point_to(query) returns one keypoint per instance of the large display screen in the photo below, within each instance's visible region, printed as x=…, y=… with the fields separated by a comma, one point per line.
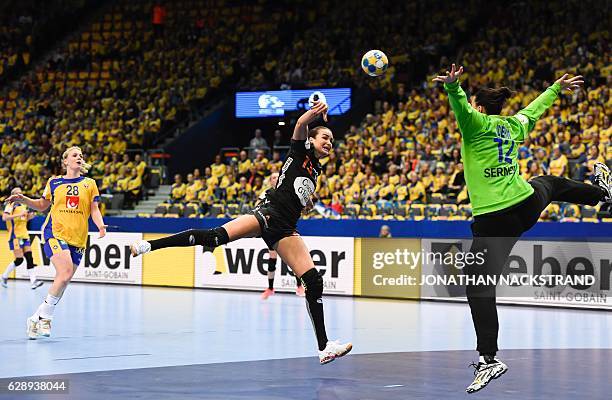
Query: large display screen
x=276, y=102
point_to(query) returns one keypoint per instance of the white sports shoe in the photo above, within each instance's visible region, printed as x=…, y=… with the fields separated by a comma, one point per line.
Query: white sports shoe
x=44, y=327
x=140, y=247
x=32, y=328
x=333, y=350
x=37, y=283
x=603, y=178
x=4, y=281
x=485, y=372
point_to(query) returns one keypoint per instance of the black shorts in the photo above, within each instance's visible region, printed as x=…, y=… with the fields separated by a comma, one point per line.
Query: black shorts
x=274, y=226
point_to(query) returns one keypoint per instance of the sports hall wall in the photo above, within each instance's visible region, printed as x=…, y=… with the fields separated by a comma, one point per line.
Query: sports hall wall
x=353, y=261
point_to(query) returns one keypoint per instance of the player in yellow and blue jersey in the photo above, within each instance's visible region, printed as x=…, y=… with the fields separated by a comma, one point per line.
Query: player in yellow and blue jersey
x=72, y=198
x=16, y=216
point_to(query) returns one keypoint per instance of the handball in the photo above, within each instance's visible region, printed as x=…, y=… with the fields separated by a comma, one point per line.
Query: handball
x=374, y=62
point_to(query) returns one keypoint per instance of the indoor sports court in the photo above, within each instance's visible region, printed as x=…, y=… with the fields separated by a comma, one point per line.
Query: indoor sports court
x=132, y=342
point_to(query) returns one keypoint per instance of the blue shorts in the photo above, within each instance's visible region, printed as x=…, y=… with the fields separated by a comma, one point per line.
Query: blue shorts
x=16, y=243
x=53, y=246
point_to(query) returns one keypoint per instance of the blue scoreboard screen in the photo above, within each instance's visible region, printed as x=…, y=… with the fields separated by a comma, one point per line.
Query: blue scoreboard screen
x=276, y=102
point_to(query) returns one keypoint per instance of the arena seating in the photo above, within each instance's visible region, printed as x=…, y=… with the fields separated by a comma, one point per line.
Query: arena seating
x=412, y=129
x=121, y=81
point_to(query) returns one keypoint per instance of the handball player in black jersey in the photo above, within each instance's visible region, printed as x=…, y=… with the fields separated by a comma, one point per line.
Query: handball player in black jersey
x=275, y=220
x=273, y=257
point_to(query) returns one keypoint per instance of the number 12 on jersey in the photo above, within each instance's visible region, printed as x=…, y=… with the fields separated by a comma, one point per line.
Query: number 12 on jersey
x=504, y=157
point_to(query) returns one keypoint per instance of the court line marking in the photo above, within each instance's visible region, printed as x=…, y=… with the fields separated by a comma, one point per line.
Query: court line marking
x=109, y=356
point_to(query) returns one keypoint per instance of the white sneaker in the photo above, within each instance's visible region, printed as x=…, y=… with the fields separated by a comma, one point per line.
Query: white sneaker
x=32, y=328
x=4, y=281
x=140, y=247
x=44, y=327
x=485, y=372
x=334, y=350
x=603, y=178
x=36, y=284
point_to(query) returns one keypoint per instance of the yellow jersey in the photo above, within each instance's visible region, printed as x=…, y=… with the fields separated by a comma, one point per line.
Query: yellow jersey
x=71, y=201
x=416, y=191
x=557, y=166
x=402, y=193
x=218, y=170
x=178, y=191
x=18, y=227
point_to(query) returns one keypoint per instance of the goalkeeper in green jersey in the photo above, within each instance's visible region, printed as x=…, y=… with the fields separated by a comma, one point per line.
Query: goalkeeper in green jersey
x=504, y=204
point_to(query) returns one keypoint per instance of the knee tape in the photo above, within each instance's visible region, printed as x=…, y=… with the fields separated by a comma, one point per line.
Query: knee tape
x=271, y=264
x=29, y=259
x=313, y=284
x=208, y=237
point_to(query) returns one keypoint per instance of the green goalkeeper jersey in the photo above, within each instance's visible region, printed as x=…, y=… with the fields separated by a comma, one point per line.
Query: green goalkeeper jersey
x=490, y=148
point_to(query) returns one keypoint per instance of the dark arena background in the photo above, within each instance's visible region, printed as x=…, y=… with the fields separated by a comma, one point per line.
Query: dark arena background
x=184, y=111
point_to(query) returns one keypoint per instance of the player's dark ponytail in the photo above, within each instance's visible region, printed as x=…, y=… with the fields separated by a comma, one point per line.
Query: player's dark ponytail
x=493, y=99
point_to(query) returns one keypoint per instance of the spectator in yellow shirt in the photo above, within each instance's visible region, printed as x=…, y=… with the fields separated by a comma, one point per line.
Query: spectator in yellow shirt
x=586, y=169
x=276, y=163
x=440, y=180
x=260, y=161
x=577, y=149
x=134, y=185
x=426, y=176
x=192, y=189
x=589, y=130
x=394, y=177
x=218, y=169
x=559, y=166
x=351, y=187
x=387, y=189
x=244, y=164
x=401, y=194
x=126, y=162
x=139, y=164
x=210, y=180
x=231, y=191
x=178, y=189
x=532, y=171
x=371, y=189
x=108, y=180
x=122, y=181
x=416, y=190
x=244, y=192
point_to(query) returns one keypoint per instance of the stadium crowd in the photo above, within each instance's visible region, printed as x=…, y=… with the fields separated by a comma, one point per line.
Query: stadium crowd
x=28, y=27
x=139, y=67
x=407, y=152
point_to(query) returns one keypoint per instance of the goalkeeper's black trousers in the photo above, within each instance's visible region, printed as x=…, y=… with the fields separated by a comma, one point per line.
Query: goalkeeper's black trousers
x=499, y=231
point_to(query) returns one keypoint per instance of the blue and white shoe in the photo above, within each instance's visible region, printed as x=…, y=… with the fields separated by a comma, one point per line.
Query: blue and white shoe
x=603, y=178
x=32, y=329
x=485, y=371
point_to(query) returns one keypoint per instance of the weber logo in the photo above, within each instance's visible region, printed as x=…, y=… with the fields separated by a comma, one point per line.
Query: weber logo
x=243, y=264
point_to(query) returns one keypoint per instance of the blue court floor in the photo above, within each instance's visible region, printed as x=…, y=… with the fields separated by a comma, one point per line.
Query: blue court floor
x=114, y=341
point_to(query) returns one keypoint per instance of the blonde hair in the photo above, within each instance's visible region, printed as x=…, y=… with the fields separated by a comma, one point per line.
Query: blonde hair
x=84, y=167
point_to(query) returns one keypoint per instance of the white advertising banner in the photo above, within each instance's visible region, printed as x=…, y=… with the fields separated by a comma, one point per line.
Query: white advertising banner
x=106, y=260
x=243, y=264
x=576, y=274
